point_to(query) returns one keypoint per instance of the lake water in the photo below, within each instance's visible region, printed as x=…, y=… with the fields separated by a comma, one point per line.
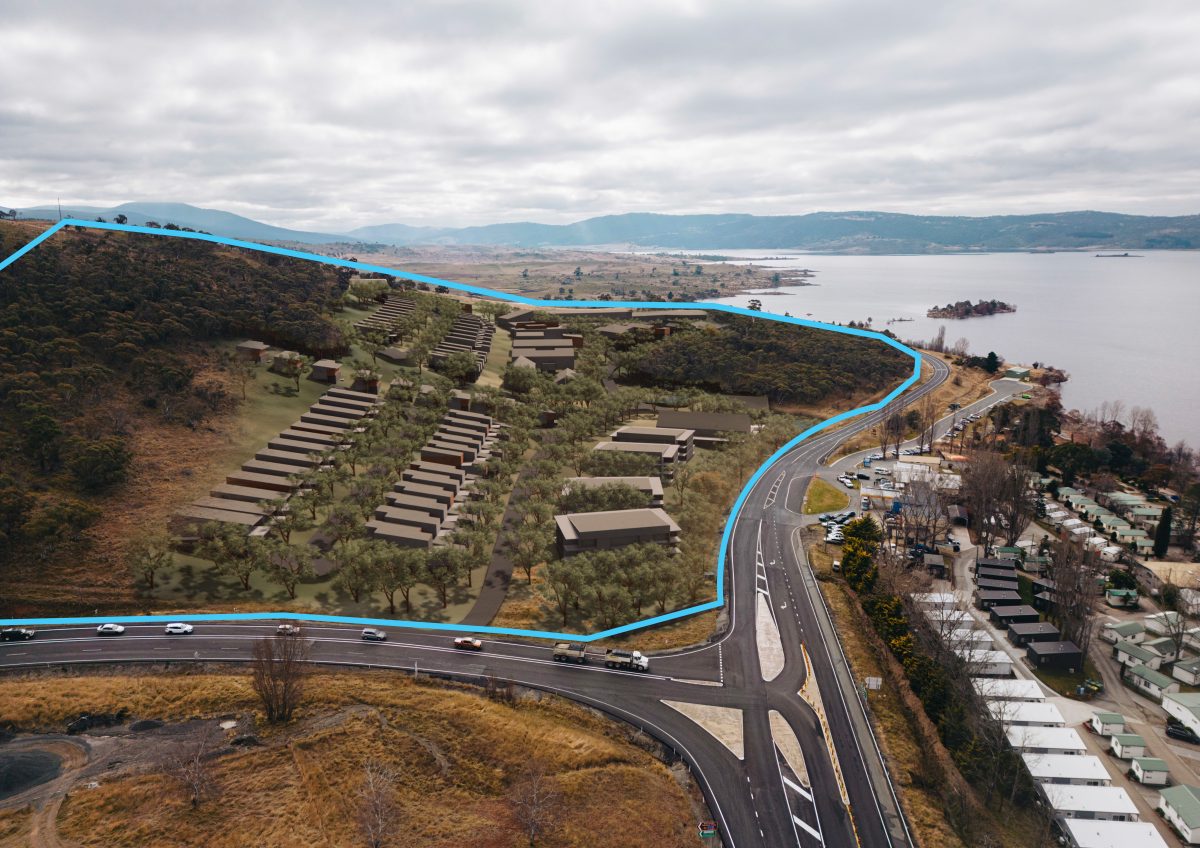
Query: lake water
x=1123, y=329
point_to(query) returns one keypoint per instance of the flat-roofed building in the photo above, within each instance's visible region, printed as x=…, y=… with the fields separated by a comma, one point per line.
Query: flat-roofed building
x=997, y=575
x=1084, y=833
x=399, y=534
x=330, y=411
x=211, y=502
x=985, y=599
x=659, y=435
x=665, y=455
x=1097, y=803
x=337, y=430
x=435, y=493
x=249, y=494
x=226, y=516
x=410, y=475
x=1008, y=690
x=1026, y=713
x=410, y=517
x=314, y=441
x=351, y=394
x=253, y=480
x=1004, y=616
x=336, y=422
x=711, y=428
x=442, y=456
x=935, y=600
x=986, y=663
x=1021, y=634
x=405, y=500
x=1056, y=656
x=472, y=437
x=271, y=469
x=651, y=487
x=325, y=371
x=1086, y=770
x=302, y=461
x=456, y=474
x=468, y=451
x=589, y=531
x=252, y=351
x=1046, y=740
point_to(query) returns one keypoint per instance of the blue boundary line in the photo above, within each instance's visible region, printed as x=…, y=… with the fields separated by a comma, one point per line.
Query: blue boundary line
x=512, y=298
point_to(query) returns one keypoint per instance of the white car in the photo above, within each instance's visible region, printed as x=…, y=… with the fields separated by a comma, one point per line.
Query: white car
x=178, y=628
x=847, y=482
x=110, y=630
x=288, y=630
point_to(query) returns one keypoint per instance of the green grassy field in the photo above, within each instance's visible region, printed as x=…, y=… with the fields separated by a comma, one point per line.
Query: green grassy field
x=823, y=497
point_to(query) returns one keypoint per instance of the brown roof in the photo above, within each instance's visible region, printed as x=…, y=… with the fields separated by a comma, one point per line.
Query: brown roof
x=732, y=422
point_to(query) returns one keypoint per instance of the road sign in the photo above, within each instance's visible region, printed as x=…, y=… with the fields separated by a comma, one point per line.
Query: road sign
x=874, y=683
x=707, y=829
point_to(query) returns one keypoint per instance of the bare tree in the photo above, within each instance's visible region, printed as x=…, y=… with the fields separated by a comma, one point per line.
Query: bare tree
x=190, y=770
x=929, y=418
x=1074, y=594
x=278, y=671
x=983, y=480
x=924, y=519
x=1016, y=502
x=1175, y=626
x=378, y=816
x=536, y=801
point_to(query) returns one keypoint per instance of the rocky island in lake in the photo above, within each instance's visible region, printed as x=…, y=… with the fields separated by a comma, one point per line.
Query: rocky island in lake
x=966, y=309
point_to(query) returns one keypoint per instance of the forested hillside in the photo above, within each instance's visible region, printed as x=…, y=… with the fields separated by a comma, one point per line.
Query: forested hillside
x=790, y=364
x=104, y=334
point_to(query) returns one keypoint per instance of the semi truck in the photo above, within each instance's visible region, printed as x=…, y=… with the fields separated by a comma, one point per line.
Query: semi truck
x=576, y=652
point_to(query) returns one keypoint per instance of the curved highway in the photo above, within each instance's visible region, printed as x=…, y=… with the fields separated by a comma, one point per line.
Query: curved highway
x=843, y=799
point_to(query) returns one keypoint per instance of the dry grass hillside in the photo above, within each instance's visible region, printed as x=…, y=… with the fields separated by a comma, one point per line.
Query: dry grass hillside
x=456, y=754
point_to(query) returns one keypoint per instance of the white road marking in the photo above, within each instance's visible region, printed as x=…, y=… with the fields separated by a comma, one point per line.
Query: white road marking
x=808, y=828
x=798, y=788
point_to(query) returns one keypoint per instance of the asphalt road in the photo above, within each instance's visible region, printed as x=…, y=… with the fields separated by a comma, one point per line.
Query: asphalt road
x=757, y=801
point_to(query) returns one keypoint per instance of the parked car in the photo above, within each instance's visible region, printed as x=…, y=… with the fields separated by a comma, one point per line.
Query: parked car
x=847, y=482
x=178, y=628
x=866, y=504
x=288, y=630
x=862, y=476
x=110, y=630
x=837, y=565
x=875, y=456
x=468, y=643
x=1178, y=731
x=16, y=634
x=372, y=634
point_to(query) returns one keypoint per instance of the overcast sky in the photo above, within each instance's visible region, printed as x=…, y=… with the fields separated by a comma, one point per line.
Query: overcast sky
x=331, y=116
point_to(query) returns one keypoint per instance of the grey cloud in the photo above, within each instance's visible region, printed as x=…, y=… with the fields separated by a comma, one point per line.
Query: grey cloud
x=313, y=116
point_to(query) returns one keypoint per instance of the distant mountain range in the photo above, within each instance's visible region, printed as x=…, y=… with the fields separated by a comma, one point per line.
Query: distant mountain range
x=847, y=232
x=212, y=221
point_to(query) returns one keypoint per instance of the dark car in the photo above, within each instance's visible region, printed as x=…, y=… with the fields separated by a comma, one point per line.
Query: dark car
x=16, y=634
x=1179, y=731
